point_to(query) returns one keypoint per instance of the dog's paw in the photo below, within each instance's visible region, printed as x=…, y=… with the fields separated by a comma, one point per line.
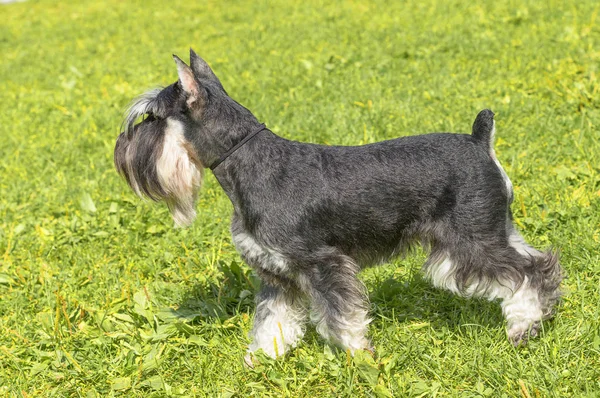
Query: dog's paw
x=534, y=329
x=519, y=333
x=249, y=360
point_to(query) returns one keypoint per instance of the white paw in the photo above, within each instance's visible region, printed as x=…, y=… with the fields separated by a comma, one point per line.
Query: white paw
x=519, y=332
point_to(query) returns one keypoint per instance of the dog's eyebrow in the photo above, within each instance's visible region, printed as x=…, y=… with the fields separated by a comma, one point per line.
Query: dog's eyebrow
x=145, y=103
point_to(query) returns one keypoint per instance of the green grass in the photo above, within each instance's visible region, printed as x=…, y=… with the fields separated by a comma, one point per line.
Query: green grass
x=100, y=296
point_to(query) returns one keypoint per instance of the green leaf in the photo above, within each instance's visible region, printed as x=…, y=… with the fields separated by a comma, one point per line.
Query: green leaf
x=329, y=355
x=114, y=207
x=596, y=342
x=121, y=383
x=198, y=340
x=141, y=299
x=37, y=368
x=564, y=173
x=163, y=332
x=86, y=203
x=389, y=363
x=18, y=229
x=183, y=328
x=157, y=383
x=123, y=317
x=151, y=360
x=155, y=229
x=276, y=378
x=6, y=280
x=367, y=369
x=382, y=391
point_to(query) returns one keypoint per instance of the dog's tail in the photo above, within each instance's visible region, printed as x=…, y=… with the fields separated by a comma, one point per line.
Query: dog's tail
x=484, y=128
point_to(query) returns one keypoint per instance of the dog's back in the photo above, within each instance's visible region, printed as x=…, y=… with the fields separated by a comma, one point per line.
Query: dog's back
x=368, y=201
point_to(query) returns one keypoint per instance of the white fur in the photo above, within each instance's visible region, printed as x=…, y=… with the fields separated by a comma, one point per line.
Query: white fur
x=178, y=174
x=507, y=182
x=442, y=276
x=354, y=328
x=139, y=107
x=522, y=310
x=521, y=307
x=258, y=255
x=354, y=325
x=518, y=243
x=281, y=328
x=284, y=324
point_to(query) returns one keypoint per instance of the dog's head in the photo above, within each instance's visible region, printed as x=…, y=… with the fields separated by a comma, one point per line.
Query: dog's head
x=184, y=128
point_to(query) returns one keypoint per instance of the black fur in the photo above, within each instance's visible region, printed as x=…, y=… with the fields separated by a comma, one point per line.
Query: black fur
x=144, y=148
x=483, y=127
x=309, y=217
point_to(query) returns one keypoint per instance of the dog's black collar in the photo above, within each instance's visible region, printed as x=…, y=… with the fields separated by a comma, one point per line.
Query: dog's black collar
x=237, y=146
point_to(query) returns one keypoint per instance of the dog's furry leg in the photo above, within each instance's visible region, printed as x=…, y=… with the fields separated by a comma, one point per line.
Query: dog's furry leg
x=339, y=303
x=279, y=321
x=540, y=291
x=525, y=279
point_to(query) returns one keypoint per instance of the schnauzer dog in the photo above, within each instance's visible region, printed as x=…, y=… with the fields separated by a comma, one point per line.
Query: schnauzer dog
x=307, y=218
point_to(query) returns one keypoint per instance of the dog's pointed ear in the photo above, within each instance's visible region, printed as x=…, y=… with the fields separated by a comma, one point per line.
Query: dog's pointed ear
x=187, y=79
x=201, y=68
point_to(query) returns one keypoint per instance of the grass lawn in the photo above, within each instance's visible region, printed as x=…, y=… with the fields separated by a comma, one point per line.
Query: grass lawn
x=101, y=296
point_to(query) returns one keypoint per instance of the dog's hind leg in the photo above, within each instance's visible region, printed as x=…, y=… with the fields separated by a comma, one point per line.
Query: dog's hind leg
x=279, y=322
x=543, y=275
x=524, y=279
x=339, y=302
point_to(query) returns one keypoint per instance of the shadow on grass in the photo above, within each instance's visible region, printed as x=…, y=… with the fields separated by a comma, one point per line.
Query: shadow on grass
x=398, y=300
x=232, y=295
x=417, y=300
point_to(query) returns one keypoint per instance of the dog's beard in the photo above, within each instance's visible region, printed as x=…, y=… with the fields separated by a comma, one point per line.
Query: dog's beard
x=162, y=165
x=180, y=174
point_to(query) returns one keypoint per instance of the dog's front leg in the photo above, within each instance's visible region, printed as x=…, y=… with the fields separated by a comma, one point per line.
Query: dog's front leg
x=279, y=321
x=339, y=303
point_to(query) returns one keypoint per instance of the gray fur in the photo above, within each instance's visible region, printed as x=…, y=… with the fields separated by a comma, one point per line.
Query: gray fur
x=307, y=218
x=142, y=105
